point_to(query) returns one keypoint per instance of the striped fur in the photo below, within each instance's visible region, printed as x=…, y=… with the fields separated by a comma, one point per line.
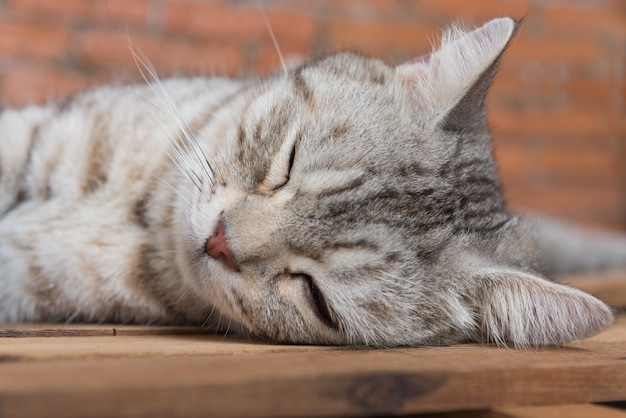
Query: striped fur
x=360, y=205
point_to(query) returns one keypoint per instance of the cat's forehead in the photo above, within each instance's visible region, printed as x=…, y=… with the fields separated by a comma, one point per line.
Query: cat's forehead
x=343, y=81
x=345, y=102
x=345, y=66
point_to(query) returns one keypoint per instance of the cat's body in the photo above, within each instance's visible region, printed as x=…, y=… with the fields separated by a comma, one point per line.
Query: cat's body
x=87, y=231
x=344, y=202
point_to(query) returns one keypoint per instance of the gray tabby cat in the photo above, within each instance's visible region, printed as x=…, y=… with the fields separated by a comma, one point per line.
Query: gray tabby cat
x=344, y=202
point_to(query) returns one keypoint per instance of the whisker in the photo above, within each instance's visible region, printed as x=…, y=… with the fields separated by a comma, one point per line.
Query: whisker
x=271, y=32
x=208, y=318
x=144, y=66
x=175, y=151
x=230, y=322
x=195, y=180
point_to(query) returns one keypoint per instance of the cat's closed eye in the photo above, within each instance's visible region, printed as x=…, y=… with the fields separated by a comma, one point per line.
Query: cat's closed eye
x=317, y=301
x=292, y=156
x=280, y=170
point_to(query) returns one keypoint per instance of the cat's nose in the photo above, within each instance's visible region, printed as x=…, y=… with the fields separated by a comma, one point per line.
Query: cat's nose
x=217, y=247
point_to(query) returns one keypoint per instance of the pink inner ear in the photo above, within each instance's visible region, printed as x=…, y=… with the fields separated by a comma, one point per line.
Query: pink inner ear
x=415, y=70
x=422, y=59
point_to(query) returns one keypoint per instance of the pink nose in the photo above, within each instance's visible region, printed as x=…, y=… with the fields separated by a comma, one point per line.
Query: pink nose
x=217, y=247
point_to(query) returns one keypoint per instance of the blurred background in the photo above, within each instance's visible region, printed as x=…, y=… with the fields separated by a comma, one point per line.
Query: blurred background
x=556, y=109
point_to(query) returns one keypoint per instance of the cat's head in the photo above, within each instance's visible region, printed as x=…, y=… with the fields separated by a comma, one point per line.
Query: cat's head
x=356, y=203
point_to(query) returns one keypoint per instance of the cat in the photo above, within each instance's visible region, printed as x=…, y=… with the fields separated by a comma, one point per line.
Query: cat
x=342, y=202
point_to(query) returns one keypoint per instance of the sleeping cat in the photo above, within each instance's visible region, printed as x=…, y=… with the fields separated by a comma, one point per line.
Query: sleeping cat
x=343, y=202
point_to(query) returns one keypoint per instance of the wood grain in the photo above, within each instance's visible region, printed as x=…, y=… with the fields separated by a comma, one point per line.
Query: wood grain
x=90, y=330
x=551, y=411
x=199, y=375
x=57, y=370
x=559, y=411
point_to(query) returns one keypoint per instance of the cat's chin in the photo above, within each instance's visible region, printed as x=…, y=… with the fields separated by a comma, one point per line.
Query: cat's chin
x=214, y=283
x=223, y=324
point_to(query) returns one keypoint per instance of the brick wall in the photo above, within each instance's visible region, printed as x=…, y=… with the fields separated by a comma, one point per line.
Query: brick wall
x=557, y=107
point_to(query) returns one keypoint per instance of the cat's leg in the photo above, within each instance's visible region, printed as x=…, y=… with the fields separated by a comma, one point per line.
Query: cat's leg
x=63, y=263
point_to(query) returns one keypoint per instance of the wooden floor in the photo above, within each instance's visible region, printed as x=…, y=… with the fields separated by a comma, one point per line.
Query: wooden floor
x=125, y=371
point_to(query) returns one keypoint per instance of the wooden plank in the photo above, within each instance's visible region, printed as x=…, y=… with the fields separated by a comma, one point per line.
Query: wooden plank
x=138, y=346
x=183, y=375
x=559, y=411
x=11, y=330
x=551, y=411
x=609, y=286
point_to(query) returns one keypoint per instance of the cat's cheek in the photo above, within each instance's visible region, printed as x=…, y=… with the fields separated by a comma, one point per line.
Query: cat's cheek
x=292, y=292
x=296, y=304
x=220, y=289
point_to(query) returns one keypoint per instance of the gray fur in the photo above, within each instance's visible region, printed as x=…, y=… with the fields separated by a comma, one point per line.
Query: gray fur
x=391, y=206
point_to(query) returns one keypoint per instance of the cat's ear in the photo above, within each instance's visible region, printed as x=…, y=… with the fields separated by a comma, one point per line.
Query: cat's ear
x=527, y=310
x=459, y=72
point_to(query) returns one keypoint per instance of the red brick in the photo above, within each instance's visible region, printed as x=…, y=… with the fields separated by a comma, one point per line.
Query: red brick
x=573, y=203
x=210, y=19
x=267, y=61
x=380, y=38
x=101, y=49
x=102, y=10
x=563, y=198
x=372, y=10
x=476, y=11
x=214, y=20
x=573, y=93
x=565, y=161
x=33, y=41
x=586, y=21
x=65, y=8
x=542, y=141
x=580, y=166
x=535, y=122
x=24, y=86
x=531, y=70
x=124, y=11
x=513, y=160
x=555, y=50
